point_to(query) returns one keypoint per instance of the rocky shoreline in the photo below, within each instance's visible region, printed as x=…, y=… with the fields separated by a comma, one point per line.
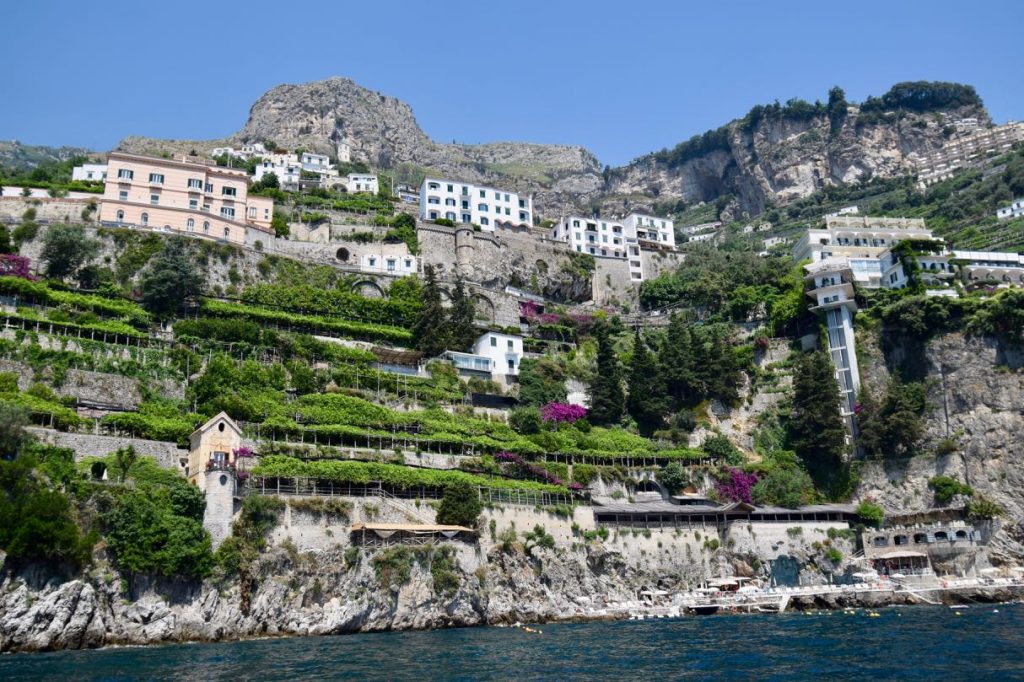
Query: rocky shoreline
x=42, y=612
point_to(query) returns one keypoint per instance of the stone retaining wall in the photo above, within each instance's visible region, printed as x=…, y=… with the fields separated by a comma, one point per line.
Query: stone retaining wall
x=167, y=455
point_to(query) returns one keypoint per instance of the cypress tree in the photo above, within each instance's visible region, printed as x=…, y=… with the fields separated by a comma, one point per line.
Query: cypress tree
x=606, y=397
x=676, y=362
x=462, y=314
x=646, y=401
x=431, y=330
x=171, y=279
x=816, y=427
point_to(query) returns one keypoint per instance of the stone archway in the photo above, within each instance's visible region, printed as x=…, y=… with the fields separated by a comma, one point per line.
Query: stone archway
x=343, y=254
x=369, y=289
x=483, y=308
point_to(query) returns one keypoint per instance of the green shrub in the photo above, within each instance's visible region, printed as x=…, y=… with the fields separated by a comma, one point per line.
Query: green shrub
x=947, y=488
x=871, y=514
x=460, y=505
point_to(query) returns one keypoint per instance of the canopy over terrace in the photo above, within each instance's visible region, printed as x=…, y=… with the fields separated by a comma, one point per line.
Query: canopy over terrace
x=385, y=534
x=669, y=515
x=903, y=561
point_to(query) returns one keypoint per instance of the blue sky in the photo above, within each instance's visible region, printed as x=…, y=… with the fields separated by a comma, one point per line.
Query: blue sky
x=619, y=78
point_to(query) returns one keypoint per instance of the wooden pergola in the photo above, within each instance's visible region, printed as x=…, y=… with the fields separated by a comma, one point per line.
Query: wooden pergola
x=388, y=534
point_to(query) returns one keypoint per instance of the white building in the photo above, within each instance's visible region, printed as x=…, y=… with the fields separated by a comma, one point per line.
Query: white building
x=345, y=152
x=392, y=264
x=288, y=174
x=461, y=202
x=505, y=351
x=657, y=231
x=90, y=172
x=316, y=163
x=362, y=182
x=1000, y=268
x=1014, y=210
x=602, y=239
x=707, y=227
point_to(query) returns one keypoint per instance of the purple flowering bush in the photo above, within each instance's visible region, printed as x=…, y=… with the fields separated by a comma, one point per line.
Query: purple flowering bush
x=563, y=413
x=736, y=485
x=515, y=466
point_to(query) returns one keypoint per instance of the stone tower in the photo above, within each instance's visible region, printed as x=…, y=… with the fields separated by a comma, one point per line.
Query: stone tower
x=221, y=485
x=464, y=248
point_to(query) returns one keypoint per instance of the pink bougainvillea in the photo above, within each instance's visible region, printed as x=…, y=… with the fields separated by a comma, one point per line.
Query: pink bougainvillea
x=244, y=452
x=16, y=266
x=563, y=412
x=529, y=309
x=736, y=485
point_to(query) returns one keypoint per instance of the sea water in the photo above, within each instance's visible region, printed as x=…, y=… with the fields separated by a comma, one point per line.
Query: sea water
x=909, y=643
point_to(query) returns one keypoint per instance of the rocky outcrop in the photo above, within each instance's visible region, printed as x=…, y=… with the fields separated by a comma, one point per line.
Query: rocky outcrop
x=780, y=159
x=974, y=433
x=776, y=160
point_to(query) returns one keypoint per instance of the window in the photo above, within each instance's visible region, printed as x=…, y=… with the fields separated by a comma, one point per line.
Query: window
x=157, y=178
x=494, y=342
x=227, y=232
x=252, y=211
x=206, y=226
x=485, y=221
x=451, y=188
x=604, y=238
x=483, y=194
x=433, y=215
x=508, y=211
x=465, y=205
x=120, y=216
x=433, y=185
x=391, y=264
x=450, y=216
x=229, y=191
x=449, y=202
x=512, y=364
x=193, y=203
x=195, y=183
x=524, y=216
x=144, y=219
x=190, y=224
x=209, y=187
x=522, y=203
x=125, y=174
x=507, y=198
x=510, y=344
x=373, y=262
x=154, y=199
x=481, y=207
x=433, y=200
x=206, y=208
x=227, y=212
x=408, y=263
x=575, y=223
x=123, y=195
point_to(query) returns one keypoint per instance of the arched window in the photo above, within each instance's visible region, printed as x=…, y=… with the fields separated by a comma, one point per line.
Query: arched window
x=120, y=216
x=206, y=226
x=227, y=232
x=190, y=224
x=144, y=219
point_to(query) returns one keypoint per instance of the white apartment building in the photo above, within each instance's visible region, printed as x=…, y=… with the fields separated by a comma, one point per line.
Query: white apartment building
x=602, y=239
x=647, y=228
x=1014, y=210
x=316, y=163
x=288, y=174
x=90, y=172
x=462, y=202
x=860, y=241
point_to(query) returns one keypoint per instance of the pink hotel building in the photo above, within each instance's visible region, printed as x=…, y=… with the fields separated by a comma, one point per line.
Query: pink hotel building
x=184, y=194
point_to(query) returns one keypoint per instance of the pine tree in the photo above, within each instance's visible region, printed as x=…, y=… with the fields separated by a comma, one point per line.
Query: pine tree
x=606, y=397
x=431, y=328
x=646, y=402
x=171, y=279
x=816, y=427
x=461, y=318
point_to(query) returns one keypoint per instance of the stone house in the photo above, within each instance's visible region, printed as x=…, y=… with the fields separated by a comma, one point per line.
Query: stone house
x=212, y=447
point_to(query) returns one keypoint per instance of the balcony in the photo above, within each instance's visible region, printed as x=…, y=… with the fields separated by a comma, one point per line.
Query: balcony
x=467, y=362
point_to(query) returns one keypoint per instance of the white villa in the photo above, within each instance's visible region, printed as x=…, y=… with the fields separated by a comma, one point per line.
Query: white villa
x=93, y=172
x=660, y=232
x=461, y=202
x=362, y=182
x=603, y=238
x=288, y=174
x=495, y=356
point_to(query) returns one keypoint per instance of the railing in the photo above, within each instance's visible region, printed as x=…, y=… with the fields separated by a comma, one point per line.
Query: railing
x=312, y=487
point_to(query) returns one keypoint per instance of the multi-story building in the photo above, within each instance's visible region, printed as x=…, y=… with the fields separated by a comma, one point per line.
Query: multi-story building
x=316, y=163
x=288, y=174
x=388, y=263
x=495, y=356
x=185, y=194
x=594, y=236
x=1014, y=210
x=964, y=151
x=657, y=232
x=1000, y=268
x=90, y=172
x=462, y=202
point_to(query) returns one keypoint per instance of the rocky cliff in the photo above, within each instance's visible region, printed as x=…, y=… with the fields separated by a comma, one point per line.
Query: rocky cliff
x=975, y=388
x=779, y=155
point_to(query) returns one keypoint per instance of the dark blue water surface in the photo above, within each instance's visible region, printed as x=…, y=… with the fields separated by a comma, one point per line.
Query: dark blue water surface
x=915, y=643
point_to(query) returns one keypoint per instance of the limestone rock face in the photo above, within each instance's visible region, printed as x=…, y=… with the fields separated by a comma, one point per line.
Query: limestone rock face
x=975, y=388
x=777, y=160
